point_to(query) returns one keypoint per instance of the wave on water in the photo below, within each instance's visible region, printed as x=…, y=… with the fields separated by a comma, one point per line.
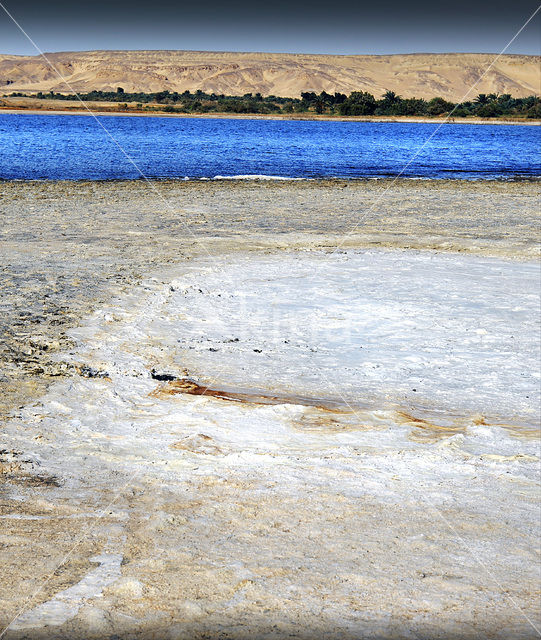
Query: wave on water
x=256, y=176
x=260, y=150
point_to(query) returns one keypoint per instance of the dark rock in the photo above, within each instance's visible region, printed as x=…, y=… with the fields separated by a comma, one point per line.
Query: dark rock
x=90, y=372
x=162, y=377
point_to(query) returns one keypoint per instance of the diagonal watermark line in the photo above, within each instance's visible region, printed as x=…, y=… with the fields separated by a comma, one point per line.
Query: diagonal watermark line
x=190, y=233
x=116, y=496
x=424, y=144
x=475, y=556
x=479, y=561
x=331, y=384
x=349, y=233
x=131, y=161
x=337, y=392
x=482, y=564
x=206, y=386
x=87, y=532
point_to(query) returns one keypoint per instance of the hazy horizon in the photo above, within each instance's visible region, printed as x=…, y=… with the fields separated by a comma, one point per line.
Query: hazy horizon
x=294, y=53
x=306, y=27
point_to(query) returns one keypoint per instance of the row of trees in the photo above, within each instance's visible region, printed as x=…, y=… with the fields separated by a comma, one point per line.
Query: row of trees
x=358, y=103
x=484, y=106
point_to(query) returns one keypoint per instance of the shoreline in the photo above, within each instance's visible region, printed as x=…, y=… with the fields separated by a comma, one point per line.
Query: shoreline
x=259, y=116
x=262, y=179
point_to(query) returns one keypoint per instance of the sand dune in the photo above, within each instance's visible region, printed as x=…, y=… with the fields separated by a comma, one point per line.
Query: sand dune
x=416, y=75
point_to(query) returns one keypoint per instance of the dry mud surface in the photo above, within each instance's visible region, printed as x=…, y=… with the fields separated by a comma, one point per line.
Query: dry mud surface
x=135, y=504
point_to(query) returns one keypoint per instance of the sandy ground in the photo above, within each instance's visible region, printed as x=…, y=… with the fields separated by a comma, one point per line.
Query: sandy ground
x=68, y=246
x=109, y=542
x=54, y=107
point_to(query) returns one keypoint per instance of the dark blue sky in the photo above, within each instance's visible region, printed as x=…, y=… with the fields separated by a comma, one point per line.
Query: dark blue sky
x=316, y=26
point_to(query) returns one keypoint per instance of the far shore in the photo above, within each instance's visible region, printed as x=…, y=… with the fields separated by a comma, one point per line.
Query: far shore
x=259, y=116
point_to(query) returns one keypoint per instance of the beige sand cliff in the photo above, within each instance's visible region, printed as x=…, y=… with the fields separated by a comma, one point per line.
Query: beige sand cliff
x=449, y=75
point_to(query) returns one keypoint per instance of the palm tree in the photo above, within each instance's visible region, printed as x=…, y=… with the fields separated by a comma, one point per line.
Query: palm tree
x=482, y=98
x=390, y=96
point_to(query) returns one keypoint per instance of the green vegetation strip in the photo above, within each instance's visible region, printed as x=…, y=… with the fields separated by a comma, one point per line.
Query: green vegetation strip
x=358, y=103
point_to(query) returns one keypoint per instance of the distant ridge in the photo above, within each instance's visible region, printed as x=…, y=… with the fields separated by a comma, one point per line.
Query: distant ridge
x=423, y=75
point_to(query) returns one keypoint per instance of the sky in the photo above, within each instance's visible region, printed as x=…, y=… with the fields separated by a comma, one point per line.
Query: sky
x=304, y=26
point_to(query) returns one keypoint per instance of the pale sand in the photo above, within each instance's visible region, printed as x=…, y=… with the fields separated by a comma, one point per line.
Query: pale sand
x=424, y=75
x=287, y=542
x=30, y=106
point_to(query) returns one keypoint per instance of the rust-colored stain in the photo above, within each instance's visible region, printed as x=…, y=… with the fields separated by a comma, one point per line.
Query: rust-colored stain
x=189, y=387
x=198, y=443
x=425, y=431
x=334, y=415
x=319, y=419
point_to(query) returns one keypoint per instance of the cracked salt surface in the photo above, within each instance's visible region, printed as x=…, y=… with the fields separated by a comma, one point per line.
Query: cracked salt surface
x=410, y=354
x=390, y=337
x=378, y=328
x=398, y=344
x=367, y=326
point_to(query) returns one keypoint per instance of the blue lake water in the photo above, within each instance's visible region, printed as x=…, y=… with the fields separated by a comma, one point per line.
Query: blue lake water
x=77, y=148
